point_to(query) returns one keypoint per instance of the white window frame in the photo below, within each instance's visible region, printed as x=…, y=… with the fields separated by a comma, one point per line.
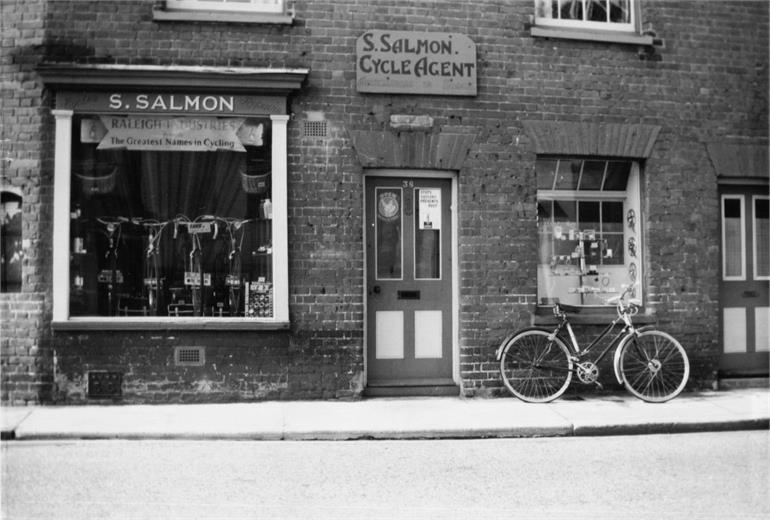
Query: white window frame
x=630, y=27
x=631, y=198
x=754, y=200
x=742, y=201
x=61, y=242
x=250, y=6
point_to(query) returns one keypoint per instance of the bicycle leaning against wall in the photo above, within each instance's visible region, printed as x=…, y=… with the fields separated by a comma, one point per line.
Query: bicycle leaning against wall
x=537, y=365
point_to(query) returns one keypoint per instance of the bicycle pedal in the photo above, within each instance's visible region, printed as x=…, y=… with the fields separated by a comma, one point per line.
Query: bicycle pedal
x=601, y=386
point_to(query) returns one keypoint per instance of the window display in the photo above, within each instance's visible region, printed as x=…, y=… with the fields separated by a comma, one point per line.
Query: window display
x=588, y=232
x=171, y=216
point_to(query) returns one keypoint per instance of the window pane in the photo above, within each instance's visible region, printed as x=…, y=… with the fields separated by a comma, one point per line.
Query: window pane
x=565, y=211
x=388, y=231
x=761, y=238
x=620, y=11
x=596, y=10
x=568, y=174
x=612, y=216
x=589, y=215
x=593, y=174
x=171, y=216
x=427, y=235
x=571, y=10
x=617, y=175
x=546, y=169
x=10, y=240
x=733, y=238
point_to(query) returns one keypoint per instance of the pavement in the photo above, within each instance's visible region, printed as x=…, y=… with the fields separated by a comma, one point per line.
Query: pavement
x=394, y=418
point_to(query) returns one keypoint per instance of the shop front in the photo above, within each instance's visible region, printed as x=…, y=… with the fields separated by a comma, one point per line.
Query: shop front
x=170, y=213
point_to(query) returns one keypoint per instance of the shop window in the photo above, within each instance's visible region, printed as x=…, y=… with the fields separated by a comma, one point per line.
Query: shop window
x=589, y=233
x=171, y=217
x=605, y=15
x=11, y=241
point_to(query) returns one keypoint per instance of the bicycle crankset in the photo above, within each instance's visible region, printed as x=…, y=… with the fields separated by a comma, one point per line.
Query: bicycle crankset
x=587, y=372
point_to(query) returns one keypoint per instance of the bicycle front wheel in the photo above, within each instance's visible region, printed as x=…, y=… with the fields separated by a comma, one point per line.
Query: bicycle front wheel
x=534, y=368
x=654, y=366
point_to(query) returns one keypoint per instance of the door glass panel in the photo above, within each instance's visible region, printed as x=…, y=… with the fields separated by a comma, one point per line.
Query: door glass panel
x=732, y=236
x=389, y=233
x=427, y=234
x=761, y=238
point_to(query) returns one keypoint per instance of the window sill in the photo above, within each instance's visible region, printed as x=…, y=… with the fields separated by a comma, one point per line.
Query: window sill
x=591, y=35
x=588, y=316
x=96, y=324
x=162, y=15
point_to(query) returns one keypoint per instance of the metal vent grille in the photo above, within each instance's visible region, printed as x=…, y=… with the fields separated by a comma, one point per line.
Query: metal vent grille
x=315, y=129
x=189, y=356
x=104, y=384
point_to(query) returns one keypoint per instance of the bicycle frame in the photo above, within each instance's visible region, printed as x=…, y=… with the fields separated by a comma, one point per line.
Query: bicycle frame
x=113, y=230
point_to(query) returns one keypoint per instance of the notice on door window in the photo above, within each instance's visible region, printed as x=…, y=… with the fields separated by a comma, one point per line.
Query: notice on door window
x=185, y=134
x=429, y=201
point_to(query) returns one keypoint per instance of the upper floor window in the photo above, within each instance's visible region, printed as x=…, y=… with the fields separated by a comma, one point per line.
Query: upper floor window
x=604, y=15
x=252, y=6
x=227, y=11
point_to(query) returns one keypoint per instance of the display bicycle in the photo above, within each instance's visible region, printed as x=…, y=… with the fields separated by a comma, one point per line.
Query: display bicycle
x=112, y=229
x=153, y=280
x=537, y=365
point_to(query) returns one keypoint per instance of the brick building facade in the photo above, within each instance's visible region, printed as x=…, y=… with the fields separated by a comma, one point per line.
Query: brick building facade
x=678, y=102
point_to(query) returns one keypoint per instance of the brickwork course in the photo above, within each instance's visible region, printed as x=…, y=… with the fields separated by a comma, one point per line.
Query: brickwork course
x=704, y=80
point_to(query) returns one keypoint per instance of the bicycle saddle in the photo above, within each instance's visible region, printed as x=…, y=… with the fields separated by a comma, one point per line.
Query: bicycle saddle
x=571, y=309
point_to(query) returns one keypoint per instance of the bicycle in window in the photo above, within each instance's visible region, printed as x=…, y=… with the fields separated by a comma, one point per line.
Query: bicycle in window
x=152, y=280
x=113, y=276
x=194, y=277
x=537, y=364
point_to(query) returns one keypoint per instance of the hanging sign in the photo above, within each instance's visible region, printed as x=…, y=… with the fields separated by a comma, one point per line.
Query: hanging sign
x=430, y=208
x=186, y=134
x=405, y=62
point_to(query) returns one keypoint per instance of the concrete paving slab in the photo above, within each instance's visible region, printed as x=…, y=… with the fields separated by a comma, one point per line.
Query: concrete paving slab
x=232, y=421
x=617, y=416
x=11, y=418
x=413, y=418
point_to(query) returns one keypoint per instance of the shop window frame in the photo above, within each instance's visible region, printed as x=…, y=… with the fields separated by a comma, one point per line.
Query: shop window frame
x=630, y=196
x=75, y=86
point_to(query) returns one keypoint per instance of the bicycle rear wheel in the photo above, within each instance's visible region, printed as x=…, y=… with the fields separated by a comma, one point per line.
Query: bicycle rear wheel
x=535, y=368
x=654, y=366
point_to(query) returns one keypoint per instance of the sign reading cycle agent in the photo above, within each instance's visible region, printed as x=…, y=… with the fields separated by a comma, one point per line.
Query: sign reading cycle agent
x=403, y=62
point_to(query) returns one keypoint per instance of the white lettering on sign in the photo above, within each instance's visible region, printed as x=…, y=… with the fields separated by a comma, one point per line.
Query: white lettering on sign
x=416, y=62
x=429, y=201
x=171, y=133
x=172, y=103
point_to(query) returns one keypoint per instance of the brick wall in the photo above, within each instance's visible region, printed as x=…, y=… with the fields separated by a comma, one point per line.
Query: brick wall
x=706, y=81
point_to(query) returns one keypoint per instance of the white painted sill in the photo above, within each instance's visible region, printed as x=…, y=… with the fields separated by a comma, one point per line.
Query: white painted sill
x=163, y=15
x=540, y=31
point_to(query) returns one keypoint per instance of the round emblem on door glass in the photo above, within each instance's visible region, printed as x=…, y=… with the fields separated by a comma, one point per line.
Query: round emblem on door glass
x=388, y=206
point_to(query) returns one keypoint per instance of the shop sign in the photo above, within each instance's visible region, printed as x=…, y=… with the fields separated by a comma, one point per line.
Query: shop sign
x=186, y=134
x=430, y=208
x=405, y=62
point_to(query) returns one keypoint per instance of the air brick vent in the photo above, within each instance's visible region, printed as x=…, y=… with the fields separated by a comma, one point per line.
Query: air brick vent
x=104, y=384
x=189, y=356
x=315, y=129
